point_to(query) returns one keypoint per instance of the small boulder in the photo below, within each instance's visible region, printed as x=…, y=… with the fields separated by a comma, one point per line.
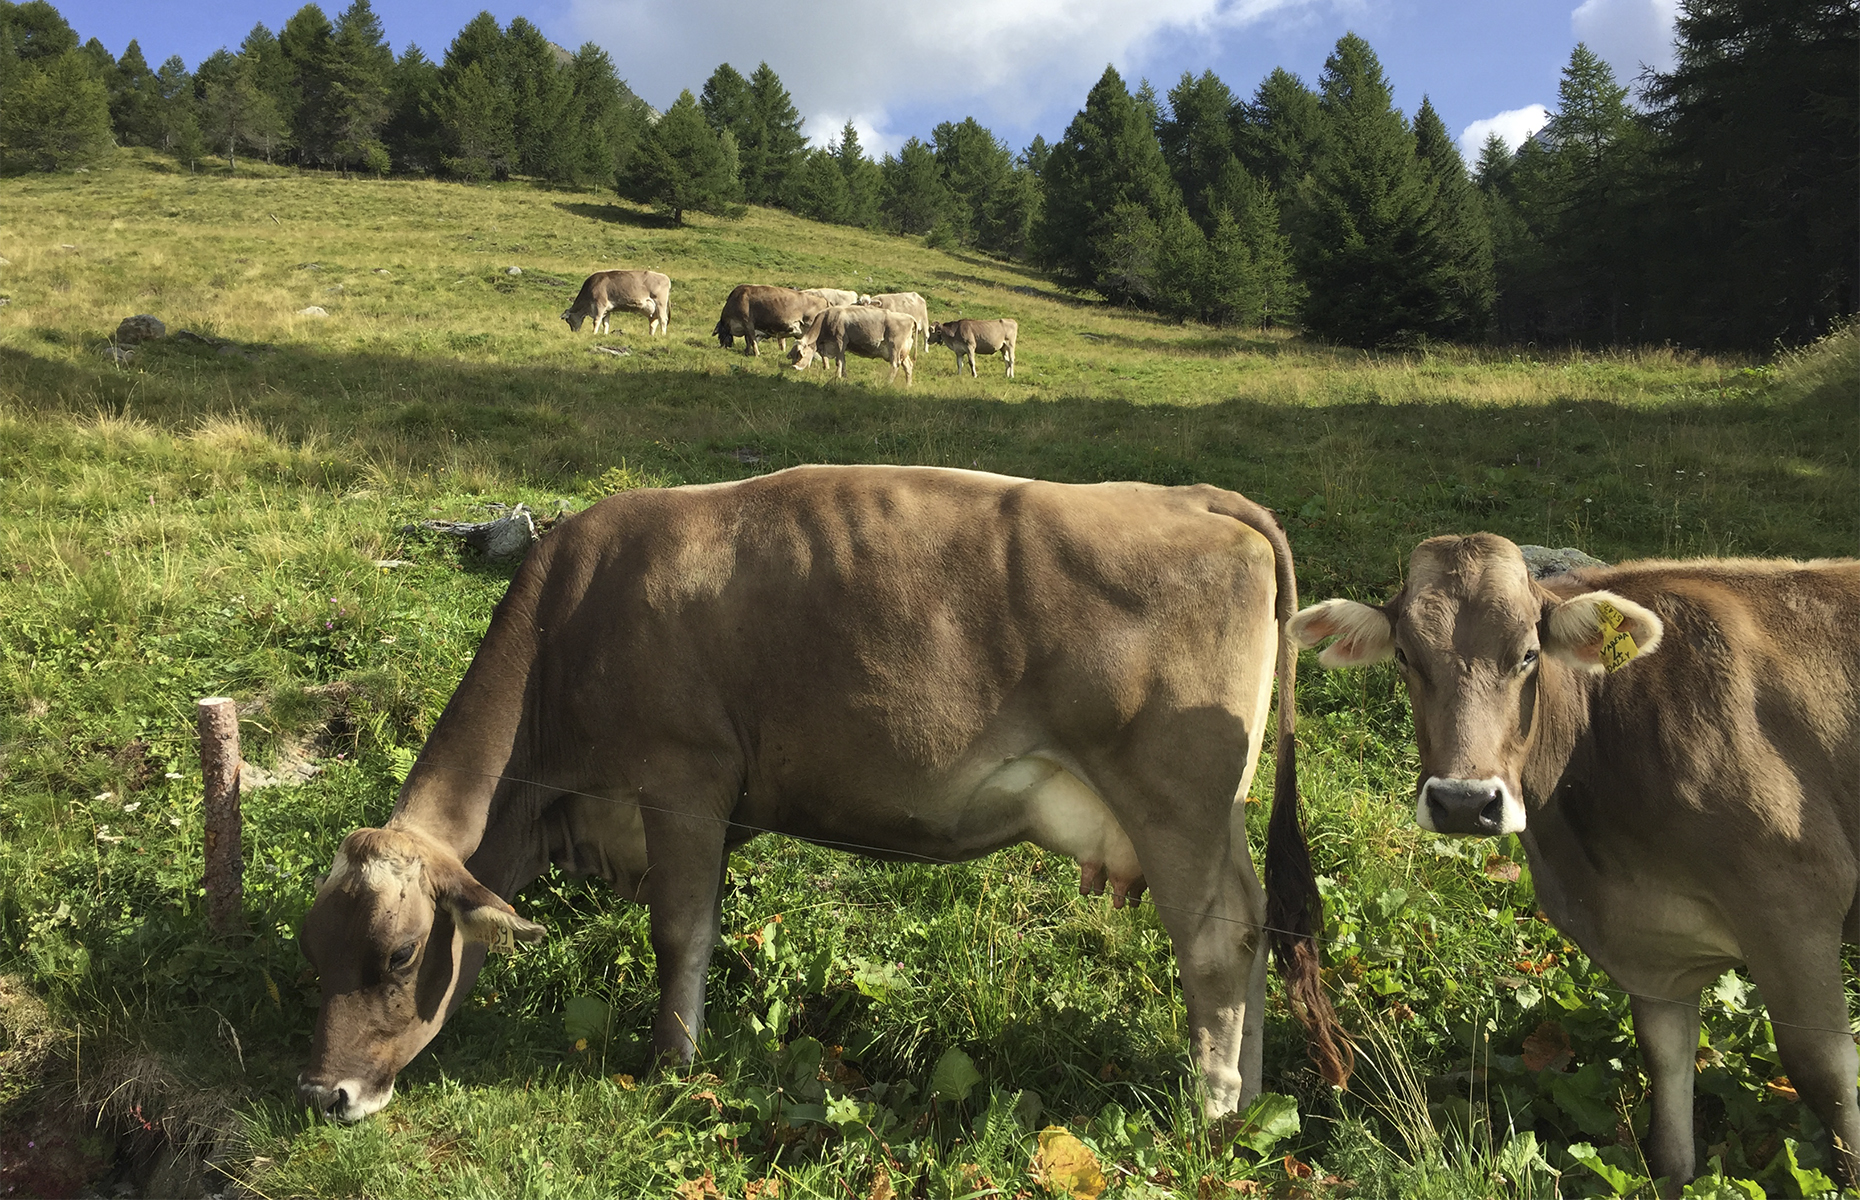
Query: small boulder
x=1543, y=562
x=140, y=328
x=119, y=354
x=382, y=271
x=315, y=310
x=513, y=270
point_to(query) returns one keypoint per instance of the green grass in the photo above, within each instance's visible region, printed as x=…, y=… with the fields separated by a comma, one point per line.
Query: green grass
x=201, y=523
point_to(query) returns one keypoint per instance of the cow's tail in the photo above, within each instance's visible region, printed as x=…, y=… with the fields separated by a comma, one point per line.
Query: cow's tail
x=1294, y=909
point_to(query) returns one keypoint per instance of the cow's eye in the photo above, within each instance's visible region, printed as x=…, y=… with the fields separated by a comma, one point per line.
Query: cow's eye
x=1401, y=660
x=402, y=956
x=1528, y=661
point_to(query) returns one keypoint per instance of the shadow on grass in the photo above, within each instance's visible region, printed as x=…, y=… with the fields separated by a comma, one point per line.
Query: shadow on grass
x=614, y=214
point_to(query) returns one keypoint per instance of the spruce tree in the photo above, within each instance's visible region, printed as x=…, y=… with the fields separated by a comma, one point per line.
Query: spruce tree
x=778, y=141
x=1197, y=139
x=864, y=179
x=305, y=46
x=912, y=198
x=236, y=115
x=272, y=75
x=1367, y=245
x=683, y=165
x=39, y=33
x=817, y=190
x=56, y=115
x=1108, y=157
x=1762, y=151
x=177, y=112
x=361, y=68
x=725, y=101
x=542, y=103
x=134, y=102
x=102, y=62
x=611, y=118
x=1128, y=253
x=412, y=135
x=978, y=171
x=1277, y=134
x=1465, y=278
x=473, y=108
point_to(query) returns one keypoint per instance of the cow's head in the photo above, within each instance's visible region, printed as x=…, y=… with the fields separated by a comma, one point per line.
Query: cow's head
x=574, y=320
x=395, y=927
x=1475, y=637
x=725, y=338
x=804, y=352
x=940, y=333
x=866, y=299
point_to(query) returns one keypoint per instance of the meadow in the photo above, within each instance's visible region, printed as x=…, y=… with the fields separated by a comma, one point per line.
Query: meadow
x=237, y=514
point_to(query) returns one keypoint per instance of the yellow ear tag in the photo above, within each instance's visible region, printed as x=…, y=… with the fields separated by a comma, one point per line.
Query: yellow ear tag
x=1618, y=647
x=505, y=942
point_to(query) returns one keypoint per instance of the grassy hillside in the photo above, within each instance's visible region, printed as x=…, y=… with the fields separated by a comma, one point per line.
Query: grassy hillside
x=209, y=519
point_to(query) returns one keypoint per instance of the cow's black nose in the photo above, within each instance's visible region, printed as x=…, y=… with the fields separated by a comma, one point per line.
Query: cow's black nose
x=1473, y=807
x=335, y=1102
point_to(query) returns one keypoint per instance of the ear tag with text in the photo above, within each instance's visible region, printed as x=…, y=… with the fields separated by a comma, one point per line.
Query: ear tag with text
x=504, y=943
x=1618, y=646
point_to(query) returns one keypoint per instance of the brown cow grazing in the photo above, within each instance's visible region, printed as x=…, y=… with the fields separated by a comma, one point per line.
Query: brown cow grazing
x=1677, y=744
x=916, y=662
x=832, y=295
x=755, y=310
x=856, y=329
x=635, y=291
x=978, y=337
x=909, y=303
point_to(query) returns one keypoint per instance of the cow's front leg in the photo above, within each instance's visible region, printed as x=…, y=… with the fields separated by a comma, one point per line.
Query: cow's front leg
x=1800, y=978
x=1668, y=1034
x=684, y=882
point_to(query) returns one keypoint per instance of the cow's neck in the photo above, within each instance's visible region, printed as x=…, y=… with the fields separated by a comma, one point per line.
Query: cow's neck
x=1553, y=820
x=475, y=747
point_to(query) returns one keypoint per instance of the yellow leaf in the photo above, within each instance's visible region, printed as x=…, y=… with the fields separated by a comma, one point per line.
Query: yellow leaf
x=625, y=1082
x=1067, y=1166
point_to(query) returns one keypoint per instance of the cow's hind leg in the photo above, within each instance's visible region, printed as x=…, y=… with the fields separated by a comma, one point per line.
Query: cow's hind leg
x=1800, y=978
x=1668, y=1034
x=684, y=880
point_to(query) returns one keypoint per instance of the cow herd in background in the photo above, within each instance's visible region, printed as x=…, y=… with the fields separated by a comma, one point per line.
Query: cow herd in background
x=826, y=323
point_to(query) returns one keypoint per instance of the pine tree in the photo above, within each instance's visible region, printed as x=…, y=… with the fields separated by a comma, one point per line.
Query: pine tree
x=778, y=141
x=1367, y=247
x=1278, y=133
x=1197, y=139
x=725, y=101
x=542, y=100
x=177, y=115
x=360, y=69
x=1762, y=155
x=102, y=62
x=1465, y=278
x=272, y=74
x=864, y=179
x=235, y=114
x=1108, y=157
x=817, y=189
x=610, y=117
x=1128, y=249
x=978, y=171
x=218, y=67
x=474, y=116
x=412, y=135
x=56, y=115
x=39, y=33
x=683, y=165
x=134, y=101
x=912, y=198
x=305, y=44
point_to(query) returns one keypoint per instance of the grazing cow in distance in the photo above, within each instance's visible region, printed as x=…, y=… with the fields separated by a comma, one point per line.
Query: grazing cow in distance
x=754, y=310
x=1677, y=745
x=603, y=292
x=856, y=329
x=832, y=295
x=922, y=663
x=909, y=303
x=978, y=337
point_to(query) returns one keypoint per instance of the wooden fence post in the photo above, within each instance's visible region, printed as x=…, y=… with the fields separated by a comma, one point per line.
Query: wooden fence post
x=225, y=859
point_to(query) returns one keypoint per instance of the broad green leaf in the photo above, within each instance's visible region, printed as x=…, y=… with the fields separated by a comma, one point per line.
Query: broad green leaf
x=843, y=1111
x=1586, y=1095
x=1808, y=1181
x=1269, y=1120
x=585, y=1017
x=1623, y=1182
x=955, y=1075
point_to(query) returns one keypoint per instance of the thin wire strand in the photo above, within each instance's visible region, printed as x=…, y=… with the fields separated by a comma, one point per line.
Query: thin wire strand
x=886, y=852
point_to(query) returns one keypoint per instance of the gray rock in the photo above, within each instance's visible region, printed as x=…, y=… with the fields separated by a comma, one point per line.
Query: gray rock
x=505, y=537
x=1543, y=562
x=119, y=354
x=315, y=310
x=513, y=270
x=382, y=271
x=616, y=351
x=140, y=328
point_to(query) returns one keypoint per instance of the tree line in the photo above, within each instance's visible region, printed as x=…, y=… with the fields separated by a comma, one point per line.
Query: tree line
x=1719, y=210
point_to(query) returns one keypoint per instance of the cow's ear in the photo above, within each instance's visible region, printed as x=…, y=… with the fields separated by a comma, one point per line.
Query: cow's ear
x=1363, y=633
x=1600, y=631
x=480, y=913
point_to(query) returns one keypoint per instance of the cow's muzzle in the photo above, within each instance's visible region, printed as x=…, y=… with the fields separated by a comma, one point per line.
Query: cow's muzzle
x=344, y=1100
x=1469, y=807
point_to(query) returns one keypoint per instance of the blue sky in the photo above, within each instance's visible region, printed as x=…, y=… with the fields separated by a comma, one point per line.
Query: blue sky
x=1021, y=67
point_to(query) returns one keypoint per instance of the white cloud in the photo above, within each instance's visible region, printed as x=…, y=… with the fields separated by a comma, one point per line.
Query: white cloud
x=1628, y=34
x=1002, y=60
x=1514, y=125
